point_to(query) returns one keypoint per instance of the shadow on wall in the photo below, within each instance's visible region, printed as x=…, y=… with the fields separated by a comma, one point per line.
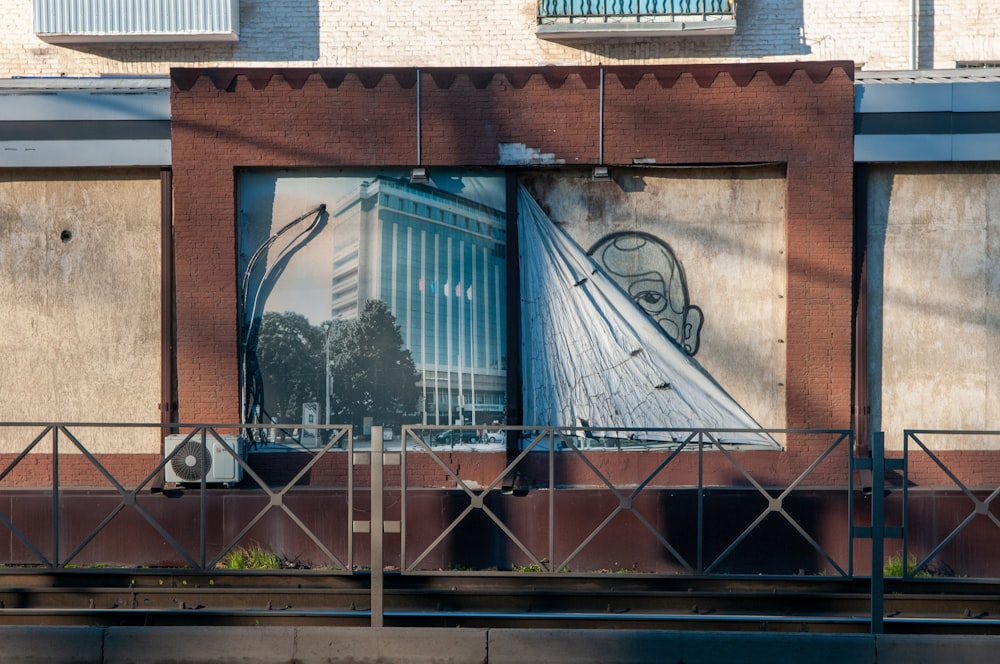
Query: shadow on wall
x=925, y=35
x=772, y=546
x=291, y=36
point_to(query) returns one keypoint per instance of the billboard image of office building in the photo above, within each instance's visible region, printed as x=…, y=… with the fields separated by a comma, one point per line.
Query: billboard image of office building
x=328, y=255
x=438, y=261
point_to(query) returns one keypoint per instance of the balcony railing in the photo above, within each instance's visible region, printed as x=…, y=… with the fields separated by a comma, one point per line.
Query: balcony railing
x=602, y=19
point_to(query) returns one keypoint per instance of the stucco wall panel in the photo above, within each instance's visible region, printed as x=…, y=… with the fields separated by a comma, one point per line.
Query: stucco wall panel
x=933, y=300
x=80, y=286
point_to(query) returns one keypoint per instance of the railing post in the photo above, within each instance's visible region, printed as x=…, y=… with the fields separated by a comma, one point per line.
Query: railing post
x=55, y=496
x=878, y=533
x=701, y=504
x=377, y=530
x=203, y=501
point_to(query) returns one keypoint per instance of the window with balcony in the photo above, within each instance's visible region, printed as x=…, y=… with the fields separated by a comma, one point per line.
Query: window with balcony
x=604, y=19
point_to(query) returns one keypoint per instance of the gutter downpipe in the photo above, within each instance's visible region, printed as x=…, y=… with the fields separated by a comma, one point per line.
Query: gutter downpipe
x=914, y=11
x=167, y=401
x=600, y=129
x=419, y=156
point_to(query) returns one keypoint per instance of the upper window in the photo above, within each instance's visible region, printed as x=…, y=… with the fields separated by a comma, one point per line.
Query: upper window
x=603, y=19
x=977, y=64
x=113, y=21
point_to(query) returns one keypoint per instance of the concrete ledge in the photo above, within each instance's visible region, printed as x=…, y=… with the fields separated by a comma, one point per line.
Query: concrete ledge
x=933, y=649
x=280, y=645
x=403, y=645
x=773, y=647
x=197, y=645
x=359, y=645
x=508, y=646
x=31, y=645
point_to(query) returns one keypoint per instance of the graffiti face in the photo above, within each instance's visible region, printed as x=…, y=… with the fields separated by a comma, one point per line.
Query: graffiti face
x=645, y=267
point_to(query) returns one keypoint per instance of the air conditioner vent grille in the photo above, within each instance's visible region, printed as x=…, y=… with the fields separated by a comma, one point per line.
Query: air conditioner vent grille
x=191, y=461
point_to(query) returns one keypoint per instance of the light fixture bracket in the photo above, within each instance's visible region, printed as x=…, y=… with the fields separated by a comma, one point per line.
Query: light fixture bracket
x=601, y=174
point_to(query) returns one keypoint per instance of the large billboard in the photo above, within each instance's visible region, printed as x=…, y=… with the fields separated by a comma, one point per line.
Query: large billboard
x=648, y=302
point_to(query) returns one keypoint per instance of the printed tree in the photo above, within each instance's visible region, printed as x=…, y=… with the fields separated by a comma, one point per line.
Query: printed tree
x=372, y=373
x=290, y=354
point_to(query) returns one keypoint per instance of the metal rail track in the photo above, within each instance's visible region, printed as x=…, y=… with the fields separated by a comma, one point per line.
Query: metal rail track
x=150, y=597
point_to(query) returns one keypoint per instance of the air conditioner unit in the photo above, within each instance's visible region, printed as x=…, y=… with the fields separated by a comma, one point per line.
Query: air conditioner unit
x=188, y=462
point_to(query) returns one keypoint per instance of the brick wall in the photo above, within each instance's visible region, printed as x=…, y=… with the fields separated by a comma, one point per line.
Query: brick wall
x=552, y=110
x=327, y=33
x=797, y=114
x=37, y=470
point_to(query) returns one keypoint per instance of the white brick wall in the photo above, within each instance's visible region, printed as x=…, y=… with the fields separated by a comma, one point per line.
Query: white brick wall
x=374, y=33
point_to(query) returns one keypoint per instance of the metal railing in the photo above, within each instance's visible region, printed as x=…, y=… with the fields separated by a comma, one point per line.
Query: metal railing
x=981, y=494
x=609, y=11
x=695, y=469
x=53, y=447
x=558, y=445
x=66, y=451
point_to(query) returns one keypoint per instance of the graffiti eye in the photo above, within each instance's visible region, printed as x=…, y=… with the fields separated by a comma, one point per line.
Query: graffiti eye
x=650, y=299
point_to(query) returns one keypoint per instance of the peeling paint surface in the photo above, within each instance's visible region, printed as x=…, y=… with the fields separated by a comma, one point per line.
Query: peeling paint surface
x=519, y=154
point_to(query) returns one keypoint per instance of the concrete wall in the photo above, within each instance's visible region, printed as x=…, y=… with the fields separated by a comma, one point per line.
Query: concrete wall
x=727, y=229
x=327, y=33
x=358, y=645
x=80, y=287
x=934, y=301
